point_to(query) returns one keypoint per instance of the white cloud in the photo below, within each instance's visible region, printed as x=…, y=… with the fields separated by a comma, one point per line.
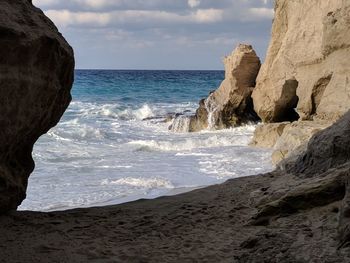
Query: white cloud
x=108, y=33
x=193, y=3
x=67, y=18
x=261, y=13
x=208, y=15
x=45, y=3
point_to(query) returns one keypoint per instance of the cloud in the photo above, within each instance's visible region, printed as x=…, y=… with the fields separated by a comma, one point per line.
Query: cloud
x=182, y=33
x=66, y=18
x=261, y=13
x=194, y=3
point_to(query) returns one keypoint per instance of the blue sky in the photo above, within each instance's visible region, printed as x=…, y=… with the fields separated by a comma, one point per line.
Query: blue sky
x=159, y=34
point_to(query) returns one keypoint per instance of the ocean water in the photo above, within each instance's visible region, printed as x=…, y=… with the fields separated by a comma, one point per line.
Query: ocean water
x=113, y=144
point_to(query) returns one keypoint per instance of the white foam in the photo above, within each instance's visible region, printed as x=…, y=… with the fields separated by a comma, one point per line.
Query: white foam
x=211, y=108
x=149, y=183
x=99, y=149
x=181, y=124
x=219, y=139
x=144, y=112
x=91, y=110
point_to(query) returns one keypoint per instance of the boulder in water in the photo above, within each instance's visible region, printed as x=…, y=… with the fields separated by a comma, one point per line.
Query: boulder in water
x=231, y=104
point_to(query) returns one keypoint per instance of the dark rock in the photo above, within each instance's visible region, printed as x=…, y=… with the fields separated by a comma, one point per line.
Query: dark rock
x=36, y=66
x=327, y=149
x=344, y=219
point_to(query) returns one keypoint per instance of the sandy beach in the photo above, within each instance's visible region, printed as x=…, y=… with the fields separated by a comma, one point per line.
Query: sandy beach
x=213, y=224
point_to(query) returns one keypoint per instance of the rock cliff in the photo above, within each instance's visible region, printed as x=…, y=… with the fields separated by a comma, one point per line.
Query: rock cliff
x=36, y=75
x=307, y=68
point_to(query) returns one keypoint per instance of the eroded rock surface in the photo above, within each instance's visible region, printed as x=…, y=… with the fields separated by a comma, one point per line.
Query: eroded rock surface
x=36, y=75
x=327, y=149
x=266, y=135
x=285, y=138
x=231, y=104
x=307, y=68
x=295, y=137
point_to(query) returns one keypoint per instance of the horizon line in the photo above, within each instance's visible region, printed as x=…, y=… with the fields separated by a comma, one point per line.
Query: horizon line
x=105, y=69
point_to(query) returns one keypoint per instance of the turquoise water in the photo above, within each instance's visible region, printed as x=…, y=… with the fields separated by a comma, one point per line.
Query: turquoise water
x=113, y=144
x=131, y=88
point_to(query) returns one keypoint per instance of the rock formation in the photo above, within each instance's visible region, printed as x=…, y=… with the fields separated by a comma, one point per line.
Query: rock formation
x=36, y=65
x=328, y=149
x=285, y=138
x=306, y=73
x=307, y=68
x=231, y=104
x=266, y=135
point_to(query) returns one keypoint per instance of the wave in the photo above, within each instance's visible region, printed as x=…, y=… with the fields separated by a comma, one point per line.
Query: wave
x=75, y=131
x=221, y=139
x=149, y=183
x=88, y=110
x=181, y=124
x=115, y=111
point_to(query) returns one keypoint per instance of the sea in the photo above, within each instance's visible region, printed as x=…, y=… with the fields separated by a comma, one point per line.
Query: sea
x=113, y=144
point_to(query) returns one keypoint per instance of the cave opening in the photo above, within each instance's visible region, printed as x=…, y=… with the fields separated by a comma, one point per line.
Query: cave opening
x=318, y=91
x=289, y=102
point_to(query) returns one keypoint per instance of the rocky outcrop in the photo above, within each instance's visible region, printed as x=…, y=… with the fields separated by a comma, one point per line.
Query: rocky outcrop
x=328, y=149
x=266, y=135
x=36, y=66
x=307, y=68
x=317, y=179
x=285, y=138
x=294, y=138
x=231, y=104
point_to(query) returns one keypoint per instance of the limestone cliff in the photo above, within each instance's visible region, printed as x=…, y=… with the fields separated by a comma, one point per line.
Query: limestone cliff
x=307, y=68
x=36, y=75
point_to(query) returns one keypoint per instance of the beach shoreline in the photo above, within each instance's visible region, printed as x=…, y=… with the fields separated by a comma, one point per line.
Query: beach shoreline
x=215, y=223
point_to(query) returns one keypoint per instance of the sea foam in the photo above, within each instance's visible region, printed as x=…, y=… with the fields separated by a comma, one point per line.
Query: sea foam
x=112, y=144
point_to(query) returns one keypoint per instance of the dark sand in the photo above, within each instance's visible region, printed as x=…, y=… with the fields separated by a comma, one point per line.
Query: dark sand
x=212, y=224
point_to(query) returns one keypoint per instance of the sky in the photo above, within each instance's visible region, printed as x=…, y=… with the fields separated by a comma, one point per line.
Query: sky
x=159, y=34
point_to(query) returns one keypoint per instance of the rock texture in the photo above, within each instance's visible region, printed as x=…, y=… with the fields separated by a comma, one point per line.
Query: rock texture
x=295, y=137
x=231, y=104
x=307, y=67
x=266, y=135
x=330, y=148
x=285, y=138
x=36, y=75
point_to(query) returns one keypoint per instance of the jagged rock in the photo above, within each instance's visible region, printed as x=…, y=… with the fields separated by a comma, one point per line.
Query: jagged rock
x=344, y=218
x=307, y=65
x=266, y=135
x=327, y=149
x=36, y=66
x=304, y=195
x=294, y=138
x=231, y=104
x=285, y=138
x=199, y=121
